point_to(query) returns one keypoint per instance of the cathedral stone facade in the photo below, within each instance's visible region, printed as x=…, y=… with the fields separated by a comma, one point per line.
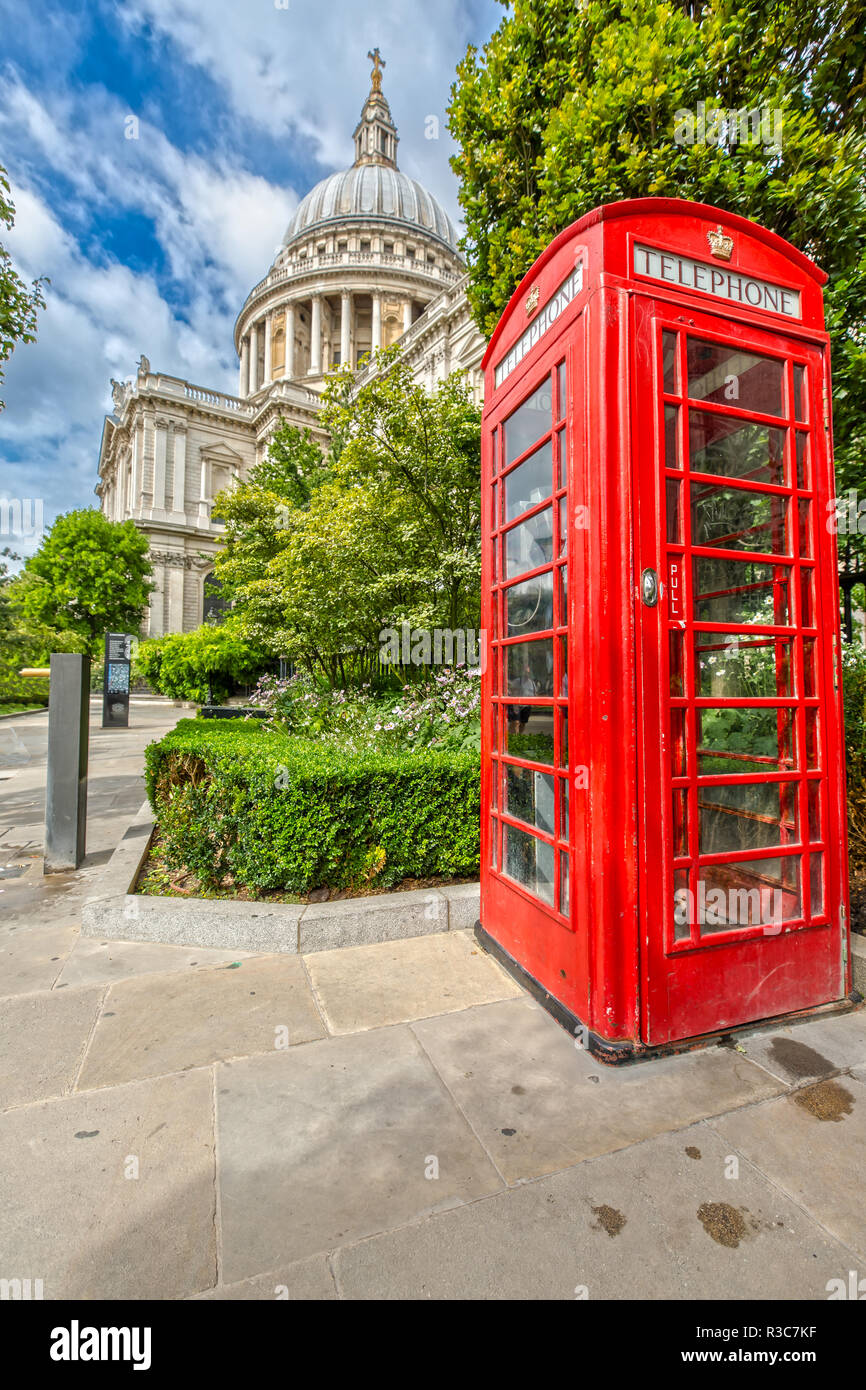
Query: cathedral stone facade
x=369, y=259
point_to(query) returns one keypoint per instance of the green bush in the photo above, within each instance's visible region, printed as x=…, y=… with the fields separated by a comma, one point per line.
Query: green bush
x=181, y=665
x=276, y=813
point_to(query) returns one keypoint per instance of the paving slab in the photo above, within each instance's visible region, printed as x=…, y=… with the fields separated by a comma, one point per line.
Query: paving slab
x=307, y=1280
x=42, y=1041
x=810, y=1050
x=32, y=959
x=812, y=1144
x=334, y=1141
x=71, y=1216
x=93, y=962
x=649, y=1223
x=165, y=1023
x=364, y=987
x=539, y=1104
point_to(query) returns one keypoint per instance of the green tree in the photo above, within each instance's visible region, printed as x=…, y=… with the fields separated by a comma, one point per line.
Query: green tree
x=210, y=661
x=384, y=529
x=573, y=105
x=89, y=576
x=18, y=305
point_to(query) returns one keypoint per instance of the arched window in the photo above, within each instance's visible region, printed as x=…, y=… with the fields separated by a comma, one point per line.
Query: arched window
x=215, y=607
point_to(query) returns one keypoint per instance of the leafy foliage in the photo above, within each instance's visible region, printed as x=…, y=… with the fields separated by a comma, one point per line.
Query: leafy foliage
x=570, y=106
x=320, y=556
x=89, y=576
x=18, y=305
x=275, y=813
x=184, y=665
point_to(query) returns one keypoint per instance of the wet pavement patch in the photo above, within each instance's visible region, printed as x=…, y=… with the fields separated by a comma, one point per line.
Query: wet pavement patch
x=723, y=1223
x=609, y=1219
x=797, y=1060
x=826, y=1101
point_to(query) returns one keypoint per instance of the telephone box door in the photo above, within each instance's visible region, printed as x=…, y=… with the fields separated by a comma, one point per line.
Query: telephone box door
x=742, y=864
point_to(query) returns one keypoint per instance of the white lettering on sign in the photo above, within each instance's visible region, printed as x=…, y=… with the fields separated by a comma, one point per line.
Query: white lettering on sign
x=540, y=324
x=687, y=274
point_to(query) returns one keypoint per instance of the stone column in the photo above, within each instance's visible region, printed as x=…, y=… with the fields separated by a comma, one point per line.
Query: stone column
x=267, y=374
x=407, y=316
x=254, y=358
x=174, y=576
x=346, y=327
x=179, y=499
x=160, y=449
x=377, y=320
x=244, y=386
x=156, y=601
x=316, y=337
x=203, y=510
x=289, y=368
x=135, y=501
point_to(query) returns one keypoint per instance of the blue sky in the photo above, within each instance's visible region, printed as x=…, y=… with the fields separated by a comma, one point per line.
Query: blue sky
x=152, y=243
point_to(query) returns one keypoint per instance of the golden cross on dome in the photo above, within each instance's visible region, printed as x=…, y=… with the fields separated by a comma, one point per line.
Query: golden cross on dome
x=378, y=63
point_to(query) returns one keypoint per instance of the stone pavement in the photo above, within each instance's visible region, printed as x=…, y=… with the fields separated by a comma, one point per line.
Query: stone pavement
x=389, y=1121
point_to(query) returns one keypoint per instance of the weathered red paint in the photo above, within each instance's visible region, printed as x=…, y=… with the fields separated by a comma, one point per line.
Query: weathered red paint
x=613, y=955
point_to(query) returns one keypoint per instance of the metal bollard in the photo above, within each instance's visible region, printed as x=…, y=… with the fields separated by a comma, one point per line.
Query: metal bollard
x=68, y=736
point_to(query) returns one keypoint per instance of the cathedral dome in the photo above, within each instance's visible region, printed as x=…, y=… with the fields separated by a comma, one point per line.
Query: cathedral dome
x=372, y=190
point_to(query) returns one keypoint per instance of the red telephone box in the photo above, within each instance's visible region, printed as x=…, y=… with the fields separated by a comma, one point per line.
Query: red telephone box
x=663, y=794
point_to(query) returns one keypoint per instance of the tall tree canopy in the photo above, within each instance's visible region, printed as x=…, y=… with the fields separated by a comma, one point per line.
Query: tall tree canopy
x=575, y=104
x=321, y=552
x=89, y=576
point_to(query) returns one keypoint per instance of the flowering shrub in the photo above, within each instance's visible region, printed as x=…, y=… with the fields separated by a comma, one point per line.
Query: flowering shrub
x=443, y=712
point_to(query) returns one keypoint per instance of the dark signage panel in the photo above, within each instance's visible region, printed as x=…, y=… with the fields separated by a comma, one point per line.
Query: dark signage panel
x=116, y=680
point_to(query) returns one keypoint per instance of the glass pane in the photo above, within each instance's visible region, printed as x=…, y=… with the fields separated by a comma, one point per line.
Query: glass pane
x=678, y=743
x=563, y=395
x=529, y=733
x=529, y=606
x=564, y=900
x=563, y=738
x=563, y=595
x=814, y=800
x=811, y=739
x=530, y=483
x=494, y=842
x=562, y=455
x=677, y=653
x=530, y=862
x=673, y=454
x=529, y=545
x=809, y=686
x=680, y=824
x=754, y=892
x=530, y=668
x=799, y=393
x=816, y=883
x=731, y=519
x=737, y=592
x=669, y=362
x=673, y=491
x=563, y=667
x=494, y=784
x=530, y=422
x=807, y=605
x=750, y=815
x=736, y=448
x=563, y=526
x=529, y=796
x=683, y=907
x=744, y=740
x=736, y=666
x=804, y=517
x=564, y=818
x=727, y=375
x=802, y=460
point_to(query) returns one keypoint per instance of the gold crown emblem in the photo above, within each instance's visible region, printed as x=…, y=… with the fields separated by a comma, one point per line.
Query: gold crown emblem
x=721, y=244
x=532, y=301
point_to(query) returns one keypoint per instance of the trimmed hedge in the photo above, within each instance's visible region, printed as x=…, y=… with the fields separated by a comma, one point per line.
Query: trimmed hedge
x=277, y=813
